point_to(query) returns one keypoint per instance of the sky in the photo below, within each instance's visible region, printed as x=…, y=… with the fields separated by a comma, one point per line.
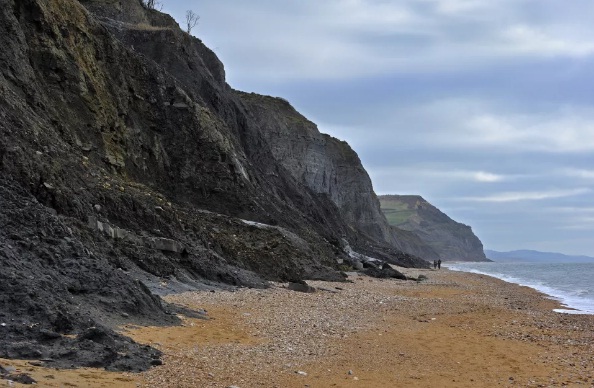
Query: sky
x=485, y=108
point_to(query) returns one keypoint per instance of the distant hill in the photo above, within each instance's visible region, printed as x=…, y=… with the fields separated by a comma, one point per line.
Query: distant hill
x=536, y=256
x=450, y=240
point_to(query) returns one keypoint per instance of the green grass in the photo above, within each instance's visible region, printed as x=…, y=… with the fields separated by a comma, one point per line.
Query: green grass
x=397, y=212
x=396, y=217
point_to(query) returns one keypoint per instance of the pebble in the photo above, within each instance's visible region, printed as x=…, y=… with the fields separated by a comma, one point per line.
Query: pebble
x=299, y=328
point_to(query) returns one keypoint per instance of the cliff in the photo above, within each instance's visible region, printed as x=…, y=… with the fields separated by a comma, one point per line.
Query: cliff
x=449, y=240
x=129, y=169
x=325, y=165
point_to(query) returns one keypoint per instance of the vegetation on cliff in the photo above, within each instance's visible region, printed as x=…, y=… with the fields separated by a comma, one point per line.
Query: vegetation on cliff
x=416, y=218
x=131, y=169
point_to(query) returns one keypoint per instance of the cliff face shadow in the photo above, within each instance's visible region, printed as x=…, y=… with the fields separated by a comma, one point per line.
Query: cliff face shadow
x=130, y=169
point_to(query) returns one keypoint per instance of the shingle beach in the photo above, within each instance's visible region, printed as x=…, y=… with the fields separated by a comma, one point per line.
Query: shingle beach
x=452, y=330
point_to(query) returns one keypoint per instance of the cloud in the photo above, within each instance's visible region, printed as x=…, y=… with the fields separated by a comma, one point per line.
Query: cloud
x=566, y=132
x=464, y=123
x=422, y=172
x=434, y=181
x=455, y=7
x=361, y=38
x=367, y=16
x=578, y=173
x=524, y=39
x=528, y=195
x=572, y=209
x=482, y=176
x=580, y=222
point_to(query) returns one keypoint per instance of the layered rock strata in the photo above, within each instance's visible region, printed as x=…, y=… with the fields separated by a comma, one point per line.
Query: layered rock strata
x=128, y=165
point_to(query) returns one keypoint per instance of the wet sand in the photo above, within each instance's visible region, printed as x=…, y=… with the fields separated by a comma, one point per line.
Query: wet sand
x=453, y=330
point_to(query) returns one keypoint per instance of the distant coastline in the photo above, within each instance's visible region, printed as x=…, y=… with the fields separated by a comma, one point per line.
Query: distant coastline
x=528, y=255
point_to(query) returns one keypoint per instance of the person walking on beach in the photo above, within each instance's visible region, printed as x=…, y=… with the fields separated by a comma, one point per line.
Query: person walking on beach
x=439, y=264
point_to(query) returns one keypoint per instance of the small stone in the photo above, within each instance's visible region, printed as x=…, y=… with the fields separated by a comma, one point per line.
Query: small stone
x=3, y=324
x=48, y=334
x=22, y=378
x=350, y=372
x=302, y=373
x=156, y=362
x=97, y=207
x=301, y=287
x=355, y=378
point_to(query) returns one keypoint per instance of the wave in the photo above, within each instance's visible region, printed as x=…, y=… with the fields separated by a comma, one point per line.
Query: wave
x=576, y=301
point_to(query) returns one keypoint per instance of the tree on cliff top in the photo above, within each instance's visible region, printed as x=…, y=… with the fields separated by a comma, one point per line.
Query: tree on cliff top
x=191, y=20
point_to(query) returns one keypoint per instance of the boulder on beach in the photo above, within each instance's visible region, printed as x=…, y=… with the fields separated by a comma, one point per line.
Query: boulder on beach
x=384, y=273
x=301, y=286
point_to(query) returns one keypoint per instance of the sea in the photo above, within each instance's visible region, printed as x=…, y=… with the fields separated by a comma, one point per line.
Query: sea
x=572, y=284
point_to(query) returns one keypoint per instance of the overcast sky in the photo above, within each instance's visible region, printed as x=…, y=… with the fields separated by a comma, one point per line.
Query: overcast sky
x=483, y=107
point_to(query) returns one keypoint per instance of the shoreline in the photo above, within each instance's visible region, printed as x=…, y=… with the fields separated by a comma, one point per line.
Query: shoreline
x=569, y=304
x=456, y=329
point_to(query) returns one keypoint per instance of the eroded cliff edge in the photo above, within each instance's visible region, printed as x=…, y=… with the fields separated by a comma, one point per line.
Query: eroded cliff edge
x=325, y=165
x=415, y=219
x=129, y=167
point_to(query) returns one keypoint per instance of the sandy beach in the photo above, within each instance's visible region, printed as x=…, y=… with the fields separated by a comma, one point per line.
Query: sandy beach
x=453, y=330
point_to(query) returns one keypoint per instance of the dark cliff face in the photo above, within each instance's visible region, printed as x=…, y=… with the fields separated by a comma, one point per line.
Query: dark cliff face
x=124, y=155
x=450, y=240
x=322, y=163
x=411, y=242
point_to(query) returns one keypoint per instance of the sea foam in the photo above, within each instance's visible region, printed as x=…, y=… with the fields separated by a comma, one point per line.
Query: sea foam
x=572, y=284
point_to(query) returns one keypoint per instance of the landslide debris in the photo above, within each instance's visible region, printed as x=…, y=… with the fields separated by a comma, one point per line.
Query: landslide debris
x=130, y=169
